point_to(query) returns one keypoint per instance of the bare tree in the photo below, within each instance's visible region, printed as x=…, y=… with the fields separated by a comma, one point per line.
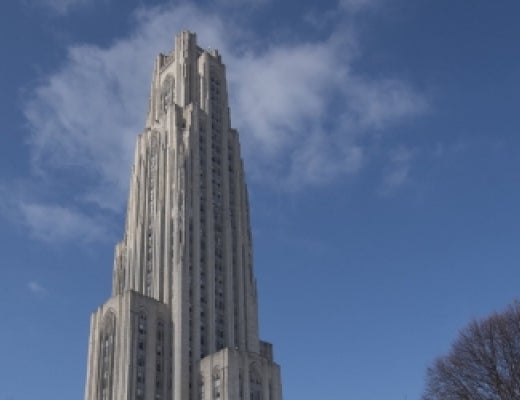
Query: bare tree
x=483, y=364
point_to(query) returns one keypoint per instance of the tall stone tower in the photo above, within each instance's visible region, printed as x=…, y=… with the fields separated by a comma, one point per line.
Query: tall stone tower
x=182, y=322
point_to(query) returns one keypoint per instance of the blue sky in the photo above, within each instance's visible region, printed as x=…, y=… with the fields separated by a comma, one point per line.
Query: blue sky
x=381, y=145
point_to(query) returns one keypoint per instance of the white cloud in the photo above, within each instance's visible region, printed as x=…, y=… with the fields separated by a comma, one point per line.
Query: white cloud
x=302, y=111
x=278, y=92
x=52, y=224
x=36, y=288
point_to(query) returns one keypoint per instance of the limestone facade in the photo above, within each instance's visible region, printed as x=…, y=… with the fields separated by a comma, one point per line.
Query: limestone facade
x=182, y=322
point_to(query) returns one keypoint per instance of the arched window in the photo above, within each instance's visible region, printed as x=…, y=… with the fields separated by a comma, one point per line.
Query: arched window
x=107, y=341
x=167, y=93
x=141, y=356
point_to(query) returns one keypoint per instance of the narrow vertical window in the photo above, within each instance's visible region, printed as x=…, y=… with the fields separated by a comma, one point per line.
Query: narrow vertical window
x=255, y=384
x=159, y=360
x=202, y=389
x=107, y=340
x=217, y=386
x=240, y=385
x=152, y=173
x=167, y=93
x=141, y=356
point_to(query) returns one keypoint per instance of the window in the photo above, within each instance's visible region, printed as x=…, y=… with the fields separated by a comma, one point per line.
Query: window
x=240, y=385
x=141, y=355
x=217, y=388
x=255, y=383
x=201, y=388
x=107, y=340
x=159, y=360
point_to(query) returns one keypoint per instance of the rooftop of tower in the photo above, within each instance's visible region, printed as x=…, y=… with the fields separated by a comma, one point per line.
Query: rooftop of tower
x=167, y=58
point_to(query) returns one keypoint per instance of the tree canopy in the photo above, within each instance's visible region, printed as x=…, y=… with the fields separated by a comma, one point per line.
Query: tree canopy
x=483, y=363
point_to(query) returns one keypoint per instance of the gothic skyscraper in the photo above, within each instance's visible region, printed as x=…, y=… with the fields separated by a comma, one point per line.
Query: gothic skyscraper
x=182, y=322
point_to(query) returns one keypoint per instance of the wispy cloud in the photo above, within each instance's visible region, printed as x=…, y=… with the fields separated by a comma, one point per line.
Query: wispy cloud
x=303, y=111
x=397, y=171
x=60, y=7
x=304, y=117
x=51, y=223
x=242, y=3
x=36, y=288
x=358, y=5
